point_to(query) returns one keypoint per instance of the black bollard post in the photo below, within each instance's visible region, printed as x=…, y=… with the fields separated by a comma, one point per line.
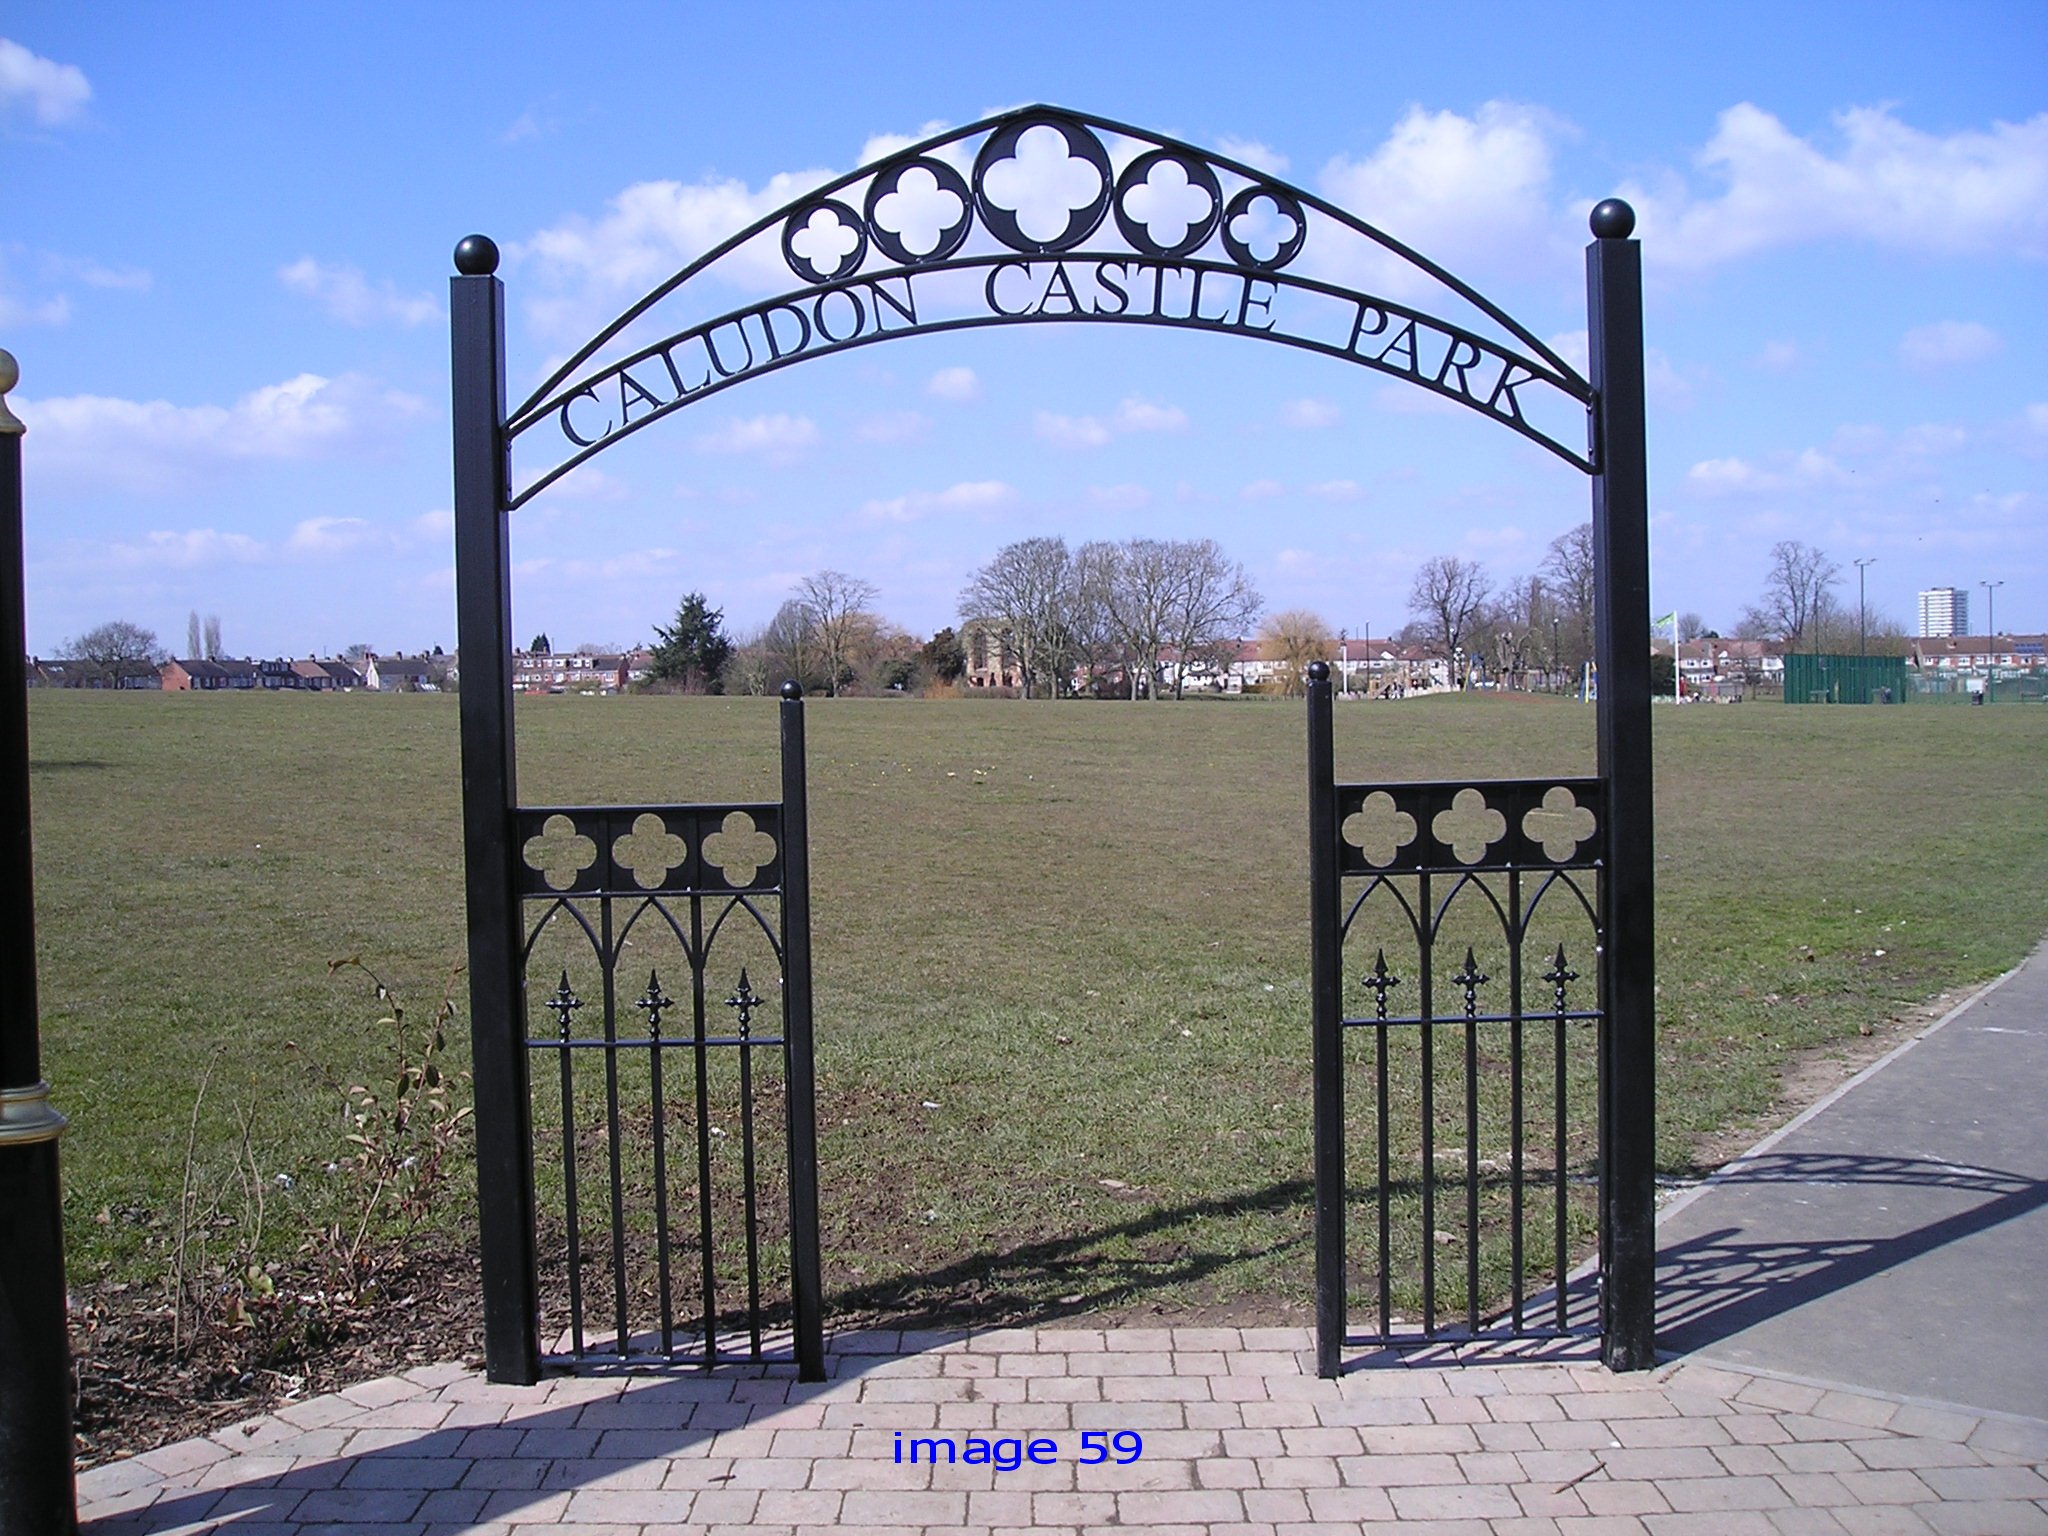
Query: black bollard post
x=38, y=1495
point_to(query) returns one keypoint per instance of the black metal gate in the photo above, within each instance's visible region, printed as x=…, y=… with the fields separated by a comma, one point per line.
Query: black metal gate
x=1459, y=1046
x=866, y=270
x=656, y=1140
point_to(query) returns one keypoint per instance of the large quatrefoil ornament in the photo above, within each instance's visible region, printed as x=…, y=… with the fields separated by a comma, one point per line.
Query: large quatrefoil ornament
x=1469, y=827
x=650, y=851
x=824, y=241
x=1379, y=829
x=919, y=211
x=1166, y=204
x=738, y=848
x=1560, y=824
x=560, y=853
x=1042, y=185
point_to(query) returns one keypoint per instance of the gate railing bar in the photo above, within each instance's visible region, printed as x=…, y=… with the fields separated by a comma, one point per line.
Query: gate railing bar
x=611, y=1103
x=565, y=1003
x=1576, y=1015
x=1471, y=978
x=702, y=1061
x=800, y=1106
x=1517, y=939
x=1380, y=980
x=1428, y=1002
x=653, y=1002
x=1326, y=1009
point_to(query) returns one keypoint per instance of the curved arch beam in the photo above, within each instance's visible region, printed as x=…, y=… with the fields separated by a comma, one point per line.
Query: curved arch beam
x=864, y=281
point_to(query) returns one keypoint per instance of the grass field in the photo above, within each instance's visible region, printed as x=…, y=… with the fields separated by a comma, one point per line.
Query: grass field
x=1078, y=930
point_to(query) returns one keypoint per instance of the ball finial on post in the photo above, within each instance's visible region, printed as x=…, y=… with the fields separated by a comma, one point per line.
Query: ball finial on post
x=11, y=425
x=792, y=690
x=476, y=256
x=1612, y=219
x=1319, y=671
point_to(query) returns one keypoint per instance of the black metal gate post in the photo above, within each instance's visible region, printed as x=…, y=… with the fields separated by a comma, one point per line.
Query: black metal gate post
x=1326, y=946
x=1621, y=608
x=483, y=602
x=38, y=1496
x=801, y=1110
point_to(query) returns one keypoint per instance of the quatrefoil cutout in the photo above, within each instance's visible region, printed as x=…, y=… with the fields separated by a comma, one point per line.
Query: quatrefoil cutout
x=1560, y=824
x=1379, y=829
x=824, y=241
x=1469, y=827
x=738, y=848
x=560, y=853
x=920, y=213
x=1043, y=184
x=650, y=851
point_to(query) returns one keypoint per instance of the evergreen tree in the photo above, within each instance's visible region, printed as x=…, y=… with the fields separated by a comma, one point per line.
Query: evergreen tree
x=691, y=653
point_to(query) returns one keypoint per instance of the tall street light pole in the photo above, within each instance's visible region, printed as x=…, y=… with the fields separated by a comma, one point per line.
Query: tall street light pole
x=1862, y=612
x=1991, y=632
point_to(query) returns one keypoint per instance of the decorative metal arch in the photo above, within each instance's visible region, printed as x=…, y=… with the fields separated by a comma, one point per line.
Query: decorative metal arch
x=872, y=262
x=1153, y=231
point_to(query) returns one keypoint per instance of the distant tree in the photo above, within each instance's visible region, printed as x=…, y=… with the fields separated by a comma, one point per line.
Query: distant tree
x=1295, y=637
x=214, y=650
x=1691, y=626
x=833, y=600
x=1447, y=593
x=1568, y=570
x=1214, y=602
x=192, y=640
x=943, y=656
x=1798, y=596
x=540, y=644
x=690, y=654
x=788, y=649
x=358, y=653
x=1026, y=592
x=117, y=652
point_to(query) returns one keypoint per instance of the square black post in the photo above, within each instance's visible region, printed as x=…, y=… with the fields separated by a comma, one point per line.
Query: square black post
x=38, y=1496
x=497, y=1010
x=1326, y=1011
x=1621, y=644
x=801, y=1107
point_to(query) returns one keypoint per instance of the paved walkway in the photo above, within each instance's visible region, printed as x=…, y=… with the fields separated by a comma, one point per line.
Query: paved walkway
x=1237, y=1435
x=1895, y=1236
x=1892, y=1238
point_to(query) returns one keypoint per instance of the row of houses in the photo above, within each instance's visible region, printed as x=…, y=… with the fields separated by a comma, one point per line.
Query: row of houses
x=578, y=671
x=310, y=674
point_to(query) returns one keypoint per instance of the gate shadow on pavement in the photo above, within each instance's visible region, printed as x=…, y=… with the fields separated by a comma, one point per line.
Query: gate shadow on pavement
x=1717, y=1284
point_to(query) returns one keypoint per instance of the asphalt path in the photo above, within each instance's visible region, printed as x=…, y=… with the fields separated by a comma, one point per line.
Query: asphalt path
x=1895, y=1237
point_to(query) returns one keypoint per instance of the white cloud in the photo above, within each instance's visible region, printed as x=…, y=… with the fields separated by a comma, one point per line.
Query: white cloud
x=777, y=435
x=649, y=231
x=346, y=294
x=154, y=445
x=893, y=427
x=1779, y=357
x=1337, y=490
x=166, y=550
x=1119, y=498
x=1263, y=490
x=55, y=310
x=1258, y=156
x=1136, y=415
x=1310, y=414
x=94, y=274
x=1883, y=181
x=1948, y=343
x=53, y=93
x=319, y=536
x=1732, y=476
x=1462, y=190
x=954, y=384
x=967, y=496
x=1070, y=431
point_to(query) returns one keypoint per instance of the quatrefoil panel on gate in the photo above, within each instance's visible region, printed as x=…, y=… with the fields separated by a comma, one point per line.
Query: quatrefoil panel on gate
x=1470, y=827
x=739, y=850
x=557, y=853
x=1561, y=824
x=650, y=852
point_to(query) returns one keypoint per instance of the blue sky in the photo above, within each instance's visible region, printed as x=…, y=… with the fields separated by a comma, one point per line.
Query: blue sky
x=225, y=250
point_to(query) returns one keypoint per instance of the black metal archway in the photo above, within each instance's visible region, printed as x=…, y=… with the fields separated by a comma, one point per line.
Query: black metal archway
x=951, y=234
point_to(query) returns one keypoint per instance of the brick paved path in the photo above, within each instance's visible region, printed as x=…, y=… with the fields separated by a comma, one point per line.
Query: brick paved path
x=1238, y=1436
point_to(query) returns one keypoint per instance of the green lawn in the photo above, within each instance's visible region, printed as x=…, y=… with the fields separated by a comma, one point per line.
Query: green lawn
x=1078, y=930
